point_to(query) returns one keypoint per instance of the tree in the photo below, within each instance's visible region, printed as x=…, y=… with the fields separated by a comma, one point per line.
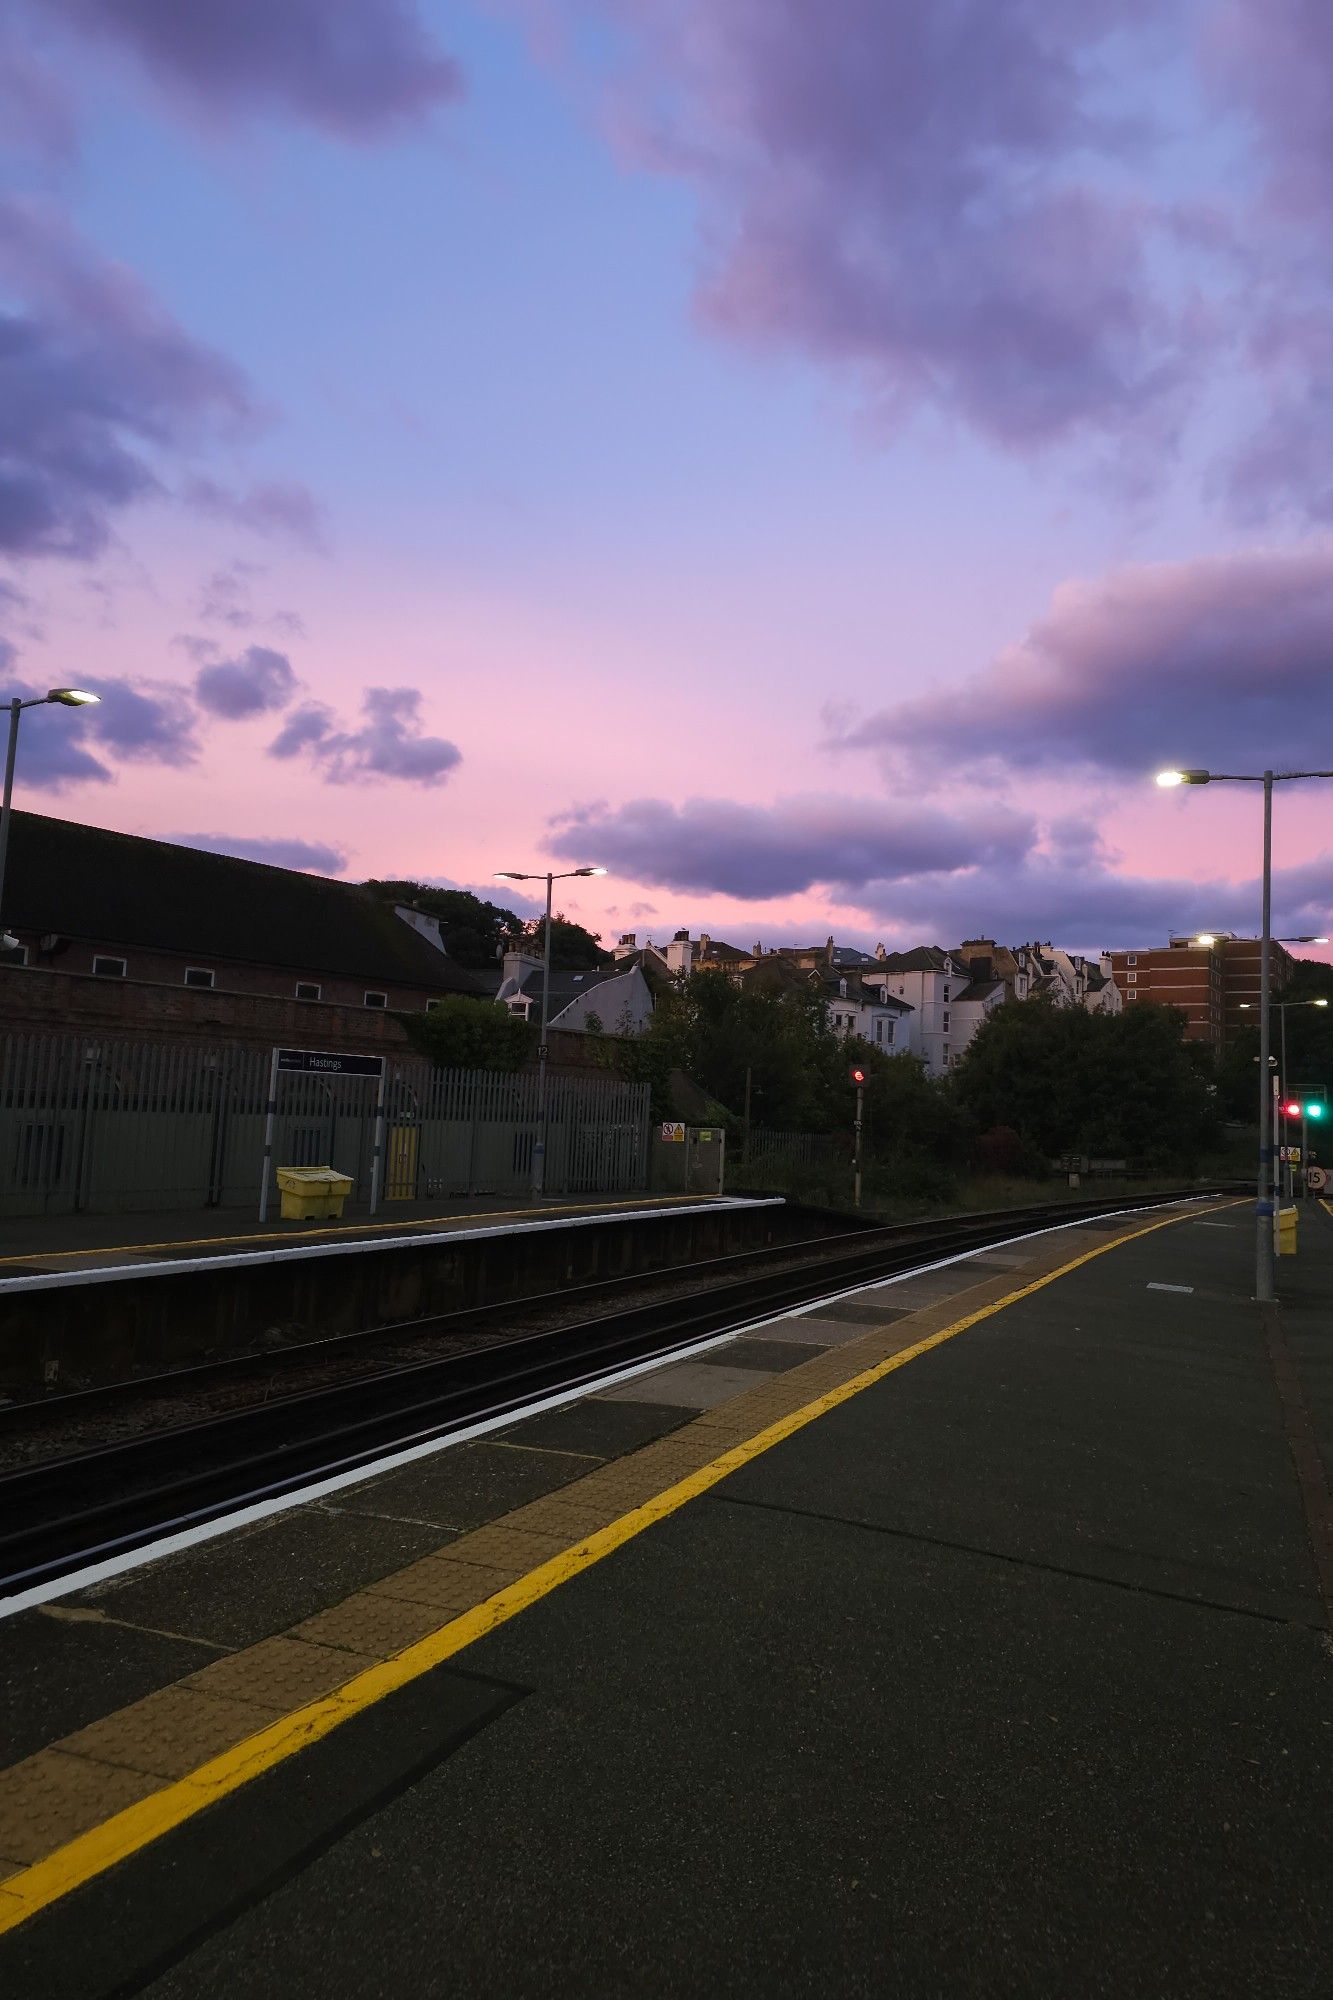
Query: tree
x=715, y=1031
x=474, y=932
x=461, y=1033
x=1309, y=1042
x=573, y=949
x=1127, y=1086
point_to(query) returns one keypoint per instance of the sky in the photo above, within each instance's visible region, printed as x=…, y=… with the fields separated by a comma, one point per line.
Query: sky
x=816, y=463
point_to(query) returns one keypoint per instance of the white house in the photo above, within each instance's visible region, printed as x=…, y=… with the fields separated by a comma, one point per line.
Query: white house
x=615, y=999
x=948, y=1004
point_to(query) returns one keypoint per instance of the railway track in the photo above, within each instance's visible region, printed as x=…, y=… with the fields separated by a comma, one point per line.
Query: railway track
x=63, y=1513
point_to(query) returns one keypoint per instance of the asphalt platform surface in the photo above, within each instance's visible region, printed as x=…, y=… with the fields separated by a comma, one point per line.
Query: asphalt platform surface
x=1009, y=1676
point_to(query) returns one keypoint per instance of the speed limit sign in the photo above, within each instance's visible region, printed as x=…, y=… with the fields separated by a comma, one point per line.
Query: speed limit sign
x=1316, y=1179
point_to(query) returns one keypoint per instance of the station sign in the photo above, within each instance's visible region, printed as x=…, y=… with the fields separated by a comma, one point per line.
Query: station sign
x=319, y=1062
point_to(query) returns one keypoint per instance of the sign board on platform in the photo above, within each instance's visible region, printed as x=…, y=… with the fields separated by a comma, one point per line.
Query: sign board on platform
x=317, y=1062
x=674, y=1134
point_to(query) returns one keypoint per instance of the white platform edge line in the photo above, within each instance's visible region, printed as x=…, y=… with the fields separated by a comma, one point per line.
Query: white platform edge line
x=115, y=1273
x=261, y=1510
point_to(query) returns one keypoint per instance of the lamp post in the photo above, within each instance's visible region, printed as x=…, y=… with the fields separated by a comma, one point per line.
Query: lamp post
x=61, y=698
x=1281, y=1006
x=550, y=879
x=1264, y=1288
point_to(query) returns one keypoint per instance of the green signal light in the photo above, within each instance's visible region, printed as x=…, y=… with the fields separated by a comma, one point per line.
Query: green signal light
x=1314, y=1109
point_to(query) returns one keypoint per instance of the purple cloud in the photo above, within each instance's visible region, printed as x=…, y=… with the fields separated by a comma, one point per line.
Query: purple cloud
x=258, y=681
x=1085, y=906
x=310, y=856
x=922, y=193
x=389, y=743
x=1221, y=662
x=357, y=68
x=274, y=507
x=145, y=723
x=96, y=382
x=720, y=846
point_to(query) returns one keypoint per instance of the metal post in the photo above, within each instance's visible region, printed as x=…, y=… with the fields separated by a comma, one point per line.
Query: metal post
x=745, y=1128
x=1284, y=1088
x=269, y=1116
x=1264, y=1287
x=15, y=711
x=1305, y=1153
x=377, y=1155
x=856, y=1193
x=539, y=1147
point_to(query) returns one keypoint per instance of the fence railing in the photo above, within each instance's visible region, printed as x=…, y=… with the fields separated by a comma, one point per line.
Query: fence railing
x=106, y=1124
x=789, y=1149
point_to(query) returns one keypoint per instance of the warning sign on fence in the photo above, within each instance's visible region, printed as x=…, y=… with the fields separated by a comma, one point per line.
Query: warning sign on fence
x=674, y=1134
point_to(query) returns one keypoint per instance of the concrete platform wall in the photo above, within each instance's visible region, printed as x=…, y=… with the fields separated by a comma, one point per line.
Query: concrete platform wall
x=70, y=1333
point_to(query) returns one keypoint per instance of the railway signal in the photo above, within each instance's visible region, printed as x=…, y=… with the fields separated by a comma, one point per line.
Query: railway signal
x=858, y=1077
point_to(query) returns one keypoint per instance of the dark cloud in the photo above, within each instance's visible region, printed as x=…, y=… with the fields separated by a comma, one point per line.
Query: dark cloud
x=720, y=846
x=225, y=597
x=1218, y=662
x=311, y=856
x=275, y=507
x=257, y=682
x=36, y=117
x=389, y=743
x=921, y=192
x=144, y=723
x=96, y=383
x=357, y=68
x=1089, y=907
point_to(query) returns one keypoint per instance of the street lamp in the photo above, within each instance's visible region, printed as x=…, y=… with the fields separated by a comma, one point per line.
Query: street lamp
x=1264, y=1289
x=1281, y=1006
x=61, y=698
x=550, y=879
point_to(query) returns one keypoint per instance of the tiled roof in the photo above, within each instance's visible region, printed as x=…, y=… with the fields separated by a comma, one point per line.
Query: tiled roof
x=923, y=958
x=117, y=888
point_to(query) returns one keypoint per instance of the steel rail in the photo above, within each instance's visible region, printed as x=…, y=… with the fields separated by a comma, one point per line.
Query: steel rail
x=63, y=1513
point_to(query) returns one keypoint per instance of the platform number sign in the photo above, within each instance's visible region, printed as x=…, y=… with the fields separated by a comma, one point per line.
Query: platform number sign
x=1316, y=1179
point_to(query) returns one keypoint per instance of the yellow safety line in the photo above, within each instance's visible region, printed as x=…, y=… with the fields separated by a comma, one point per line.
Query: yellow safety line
x=351, y=1229
x=137, y=1826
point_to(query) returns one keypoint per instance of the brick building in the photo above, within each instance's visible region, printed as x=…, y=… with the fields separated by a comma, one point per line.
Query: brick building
x=83, y=901
x=1207, y=982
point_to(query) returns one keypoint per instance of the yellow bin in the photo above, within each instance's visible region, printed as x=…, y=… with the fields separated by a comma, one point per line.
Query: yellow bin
x=1286, y=1232
x=311, y=1194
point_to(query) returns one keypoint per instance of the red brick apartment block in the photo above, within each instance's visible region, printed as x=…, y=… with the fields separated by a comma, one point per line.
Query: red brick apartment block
x=1207, y=982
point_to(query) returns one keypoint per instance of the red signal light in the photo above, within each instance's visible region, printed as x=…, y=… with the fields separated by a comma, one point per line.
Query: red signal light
x=859, y=1076
x=1291, y=1110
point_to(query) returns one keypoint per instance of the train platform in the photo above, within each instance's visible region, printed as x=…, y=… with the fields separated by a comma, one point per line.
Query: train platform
x=968, y=1633
x=39, y=1246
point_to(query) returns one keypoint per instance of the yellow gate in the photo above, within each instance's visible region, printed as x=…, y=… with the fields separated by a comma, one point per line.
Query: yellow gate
x=400, y=1178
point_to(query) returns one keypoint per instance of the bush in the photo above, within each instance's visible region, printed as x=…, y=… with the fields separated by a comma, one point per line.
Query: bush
x=471, y=1034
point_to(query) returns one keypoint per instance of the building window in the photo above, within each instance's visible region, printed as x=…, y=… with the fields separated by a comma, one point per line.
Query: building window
x=1132, y=977
x=945, y=1022
x=19, y=957
x=306, y=989
x=946, y=1052
x=109, y=968
x=1131, y=958
x=198, y=975
x=377, y=999
x=945, y=996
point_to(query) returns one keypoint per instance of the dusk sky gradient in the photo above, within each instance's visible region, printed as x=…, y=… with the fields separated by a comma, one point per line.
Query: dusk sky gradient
x=817, y=462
